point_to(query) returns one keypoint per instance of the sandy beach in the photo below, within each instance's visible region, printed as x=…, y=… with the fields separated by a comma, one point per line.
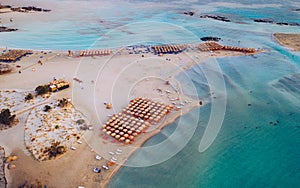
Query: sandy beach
x=117, y=79
x=289, y=40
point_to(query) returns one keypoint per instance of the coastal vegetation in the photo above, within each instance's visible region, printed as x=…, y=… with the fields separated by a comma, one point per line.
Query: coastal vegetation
x=6, y=117
x=42, y=89
x=28, y=97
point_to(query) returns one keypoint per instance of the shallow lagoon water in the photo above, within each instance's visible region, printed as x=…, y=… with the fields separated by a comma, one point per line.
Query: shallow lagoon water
x=258, y=143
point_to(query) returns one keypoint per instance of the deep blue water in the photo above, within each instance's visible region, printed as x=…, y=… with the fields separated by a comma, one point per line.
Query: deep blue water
x=258, y=143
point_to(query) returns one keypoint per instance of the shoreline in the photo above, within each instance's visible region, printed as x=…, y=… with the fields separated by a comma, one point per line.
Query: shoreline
x=166, y=67
x=157, y=131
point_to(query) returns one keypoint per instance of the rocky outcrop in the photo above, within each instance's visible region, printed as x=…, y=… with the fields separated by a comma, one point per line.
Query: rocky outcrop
x=189, y=13
x=6, y=29
x=216, y=17
x=24, y=9
x=264, y=20
x=3, y=181
x=270, y=21
x=210, y=39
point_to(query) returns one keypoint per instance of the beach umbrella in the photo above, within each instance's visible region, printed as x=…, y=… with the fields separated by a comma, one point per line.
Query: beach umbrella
x=122, y=139
x=113, y=134
x=129, y=132
x=127, y=141
x=108, y=132
x=131, y=137
x=117, y=136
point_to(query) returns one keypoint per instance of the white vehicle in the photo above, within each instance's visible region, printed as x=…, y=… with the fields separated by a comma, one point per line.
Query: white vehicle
x=79, y=142
x=105, y=167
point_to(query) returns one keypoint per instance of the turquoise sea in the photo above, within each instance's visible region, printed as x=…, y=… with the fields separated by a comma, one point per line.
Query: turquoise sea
x=259, y=140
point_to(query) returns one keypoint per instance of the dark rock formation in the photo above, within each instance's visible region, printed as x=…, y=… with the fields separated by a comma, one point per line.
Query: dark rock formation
x=264, y=20
x=6, y=29
x=216, y=17
x=210, y=39
x=24, y=9
x=189, y=13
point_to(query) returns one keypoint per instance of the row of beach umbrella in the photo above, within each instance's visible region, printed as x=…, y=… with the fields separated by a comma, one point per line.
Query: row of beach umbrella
x=147, y=109
x=169, y=48
x=94, y=52
x=124, y=128
x=135, y=119
x=213, y=46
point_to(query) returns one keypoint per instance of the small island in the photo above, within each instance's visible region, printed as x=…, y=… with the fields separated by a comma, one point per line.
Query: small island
x=290, y=40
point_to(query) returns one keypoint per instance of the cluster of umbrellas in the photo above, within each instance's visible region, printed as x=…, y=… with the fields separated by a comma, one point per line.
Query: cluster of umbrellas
x=135, y=119
x=169, y=48
x=210, y=46
x=213, y=46
x=94, y=52
x=124, y=128
x=234, y=48
x=147, y=109
x=13, y=55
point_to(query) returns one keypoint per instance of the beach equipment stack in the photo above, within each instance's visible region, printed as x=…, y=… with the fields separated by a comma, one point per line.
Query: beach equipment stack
x=135, y=119
x=14, y=55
